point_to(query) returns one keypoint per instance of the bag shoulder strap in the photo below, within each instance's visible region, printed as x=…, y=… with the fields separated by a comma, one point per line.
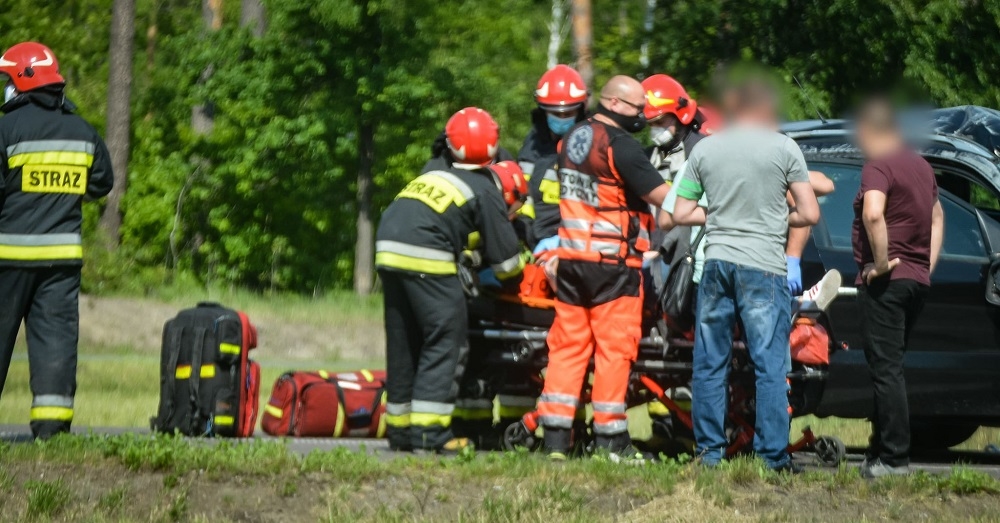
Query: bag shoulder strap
x=194, y=382
x=168, y=384
x=697, y=240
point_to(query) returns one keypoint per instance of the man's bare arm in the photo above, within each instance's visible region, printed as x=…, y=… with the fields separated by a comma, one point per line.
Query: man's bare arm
x=873, y=217
x=937, y=233
x=688, y=212
x=798, y=237
x=665, y=220
x=820, y=183
x=806, y=209
x=656, y=196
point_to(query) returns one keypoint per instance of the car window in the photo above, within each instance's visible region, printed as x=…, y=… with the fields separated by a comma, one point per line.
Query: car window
x=967, y=190
x=962, y=237
x=837, y=208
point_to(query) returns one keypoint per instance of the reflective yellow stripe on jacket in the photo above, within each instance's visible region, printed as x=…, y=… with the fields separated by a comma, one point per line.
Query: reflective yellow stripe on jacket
x=398, y=255
x=39, y=247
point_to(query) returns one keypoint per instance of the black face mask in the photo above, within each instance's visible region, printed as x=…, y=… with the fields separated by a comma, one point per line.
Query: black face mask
x=632, y=124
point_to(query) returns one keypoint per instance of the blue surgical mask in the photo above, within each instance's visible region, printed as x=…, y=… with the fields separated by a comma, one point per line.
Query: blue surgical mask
x=559, y=125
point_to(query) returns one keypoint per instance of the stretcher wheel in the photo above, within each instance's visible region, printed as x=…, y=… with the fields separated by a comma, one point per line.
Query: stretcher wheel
x=829, y=450
x=517, y=436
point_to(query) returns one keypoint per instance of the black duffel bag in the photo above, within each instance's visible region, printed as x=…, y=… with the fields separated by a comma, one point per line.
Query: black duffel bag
x=677, y=297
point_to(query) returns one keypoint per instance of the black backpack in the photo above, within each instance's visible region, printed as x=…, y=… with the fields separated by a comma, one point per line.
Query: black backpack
x=208, y=384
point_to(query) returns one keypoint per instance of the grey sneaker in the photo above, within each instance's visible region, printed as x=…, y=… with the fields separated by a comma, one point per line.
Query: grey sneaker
x=876, y=469
x=821, y=295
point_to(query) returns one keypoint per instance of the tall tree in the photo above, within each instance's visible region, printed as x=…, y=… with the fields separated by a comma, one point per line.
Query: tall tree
x=252, y=15
x=119, y=128
x=583, y=40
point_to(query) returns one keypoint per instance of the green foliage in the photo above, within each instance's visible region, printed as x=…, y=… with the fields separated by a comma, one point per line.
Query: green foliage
x=266, y=200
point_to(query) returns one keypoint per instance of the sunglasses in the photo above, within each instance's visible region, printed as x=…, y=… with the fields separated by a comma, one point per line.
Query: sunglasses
x=638, y=107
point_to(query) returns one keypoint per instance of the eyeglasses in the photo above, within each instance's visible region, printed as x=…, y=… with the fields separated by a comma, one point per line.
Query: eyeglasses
x=638, y=107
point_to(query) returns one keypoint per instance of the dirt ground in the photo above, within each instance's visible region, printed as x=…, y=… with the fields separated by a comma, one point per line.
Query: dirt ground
x=110, y=491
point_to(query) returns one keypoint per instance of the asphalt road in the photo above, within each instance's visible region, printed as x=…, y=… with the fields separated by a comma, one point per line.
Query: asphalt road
x=933, y=462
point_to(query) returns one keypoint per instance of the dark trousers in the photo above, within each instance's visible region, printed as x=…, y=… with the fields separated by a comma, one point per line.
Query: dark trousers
x=47, y=300
x=889, y=310
x=426, y=351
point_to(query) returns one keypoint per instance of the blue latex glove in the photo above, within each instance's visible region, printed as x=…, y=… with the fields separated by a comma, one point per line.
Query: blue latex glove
x=794, y=275
x=488, y=278
x=547, y=244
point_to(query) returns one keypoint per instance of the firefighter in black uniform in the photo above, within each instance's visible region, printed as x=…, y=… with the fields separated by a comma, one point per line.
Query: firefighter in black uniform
x=52, y=159
x=561, y=96
x=417, y=249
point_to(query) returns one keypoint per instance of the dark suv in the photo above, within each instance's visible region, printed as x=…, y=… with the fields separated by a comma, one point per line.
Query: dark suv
x=953, y=366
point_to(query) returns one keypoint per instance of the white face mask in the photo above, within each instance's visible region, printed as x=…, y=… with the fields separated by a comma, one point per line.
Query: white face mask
x=9, y=92
x=660, y=135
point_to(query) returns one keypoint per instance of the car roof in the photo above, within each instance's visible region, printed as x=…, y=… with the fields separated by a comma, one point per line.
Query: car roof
x=968, y=134
x=967, y=128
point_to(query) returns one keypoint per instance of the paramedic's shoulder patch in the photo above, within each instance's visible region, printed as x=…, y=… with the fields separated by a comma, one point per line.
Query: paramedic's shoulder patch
x=578, y=144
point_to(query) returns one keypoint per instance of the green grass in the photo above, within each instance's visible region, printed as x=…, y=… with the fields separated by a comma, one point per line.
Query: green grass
x=179, y=480
x=124, y=391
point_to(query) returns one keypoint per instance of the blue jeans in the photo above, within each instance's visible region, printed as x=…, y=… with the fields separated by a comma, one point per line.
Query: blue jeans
x=760, y=300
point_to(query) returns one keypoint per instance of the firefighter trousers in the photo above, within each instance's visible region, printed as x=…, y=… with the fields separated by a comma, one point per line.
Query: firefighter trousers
x=609, y=332
x=47, y=300
x=426, y=351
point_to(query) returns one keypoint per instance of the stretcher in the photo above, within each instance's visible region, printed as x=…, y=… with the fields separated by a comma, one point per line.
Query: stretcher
x=508, y=355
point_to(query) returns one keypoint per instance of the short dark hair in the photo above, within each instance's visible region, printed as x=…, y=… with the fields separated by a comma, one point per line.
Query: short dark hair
x=877, y=113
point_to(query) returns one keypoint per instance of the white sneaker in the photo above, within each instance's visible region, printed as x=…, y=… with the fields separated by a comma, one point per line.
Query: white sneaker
x=821, y=295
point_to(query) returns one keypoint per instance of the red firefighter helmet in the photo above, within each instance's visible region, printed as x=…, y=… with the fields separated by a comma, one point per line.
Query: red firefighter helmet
x=473, y=136
x=665, y=95
x=711, y=120
x=561, y=90
x=30, y=65
x=511, y=180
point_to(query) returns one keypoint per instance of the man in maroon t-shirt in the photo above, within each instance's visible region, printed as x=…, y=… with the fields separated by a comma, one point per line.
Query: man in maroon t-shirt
x=898, y=229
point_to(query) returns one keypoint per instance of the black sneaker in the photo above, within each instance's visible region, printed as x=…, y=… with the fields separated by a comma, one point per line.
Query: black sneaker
x=790, y=467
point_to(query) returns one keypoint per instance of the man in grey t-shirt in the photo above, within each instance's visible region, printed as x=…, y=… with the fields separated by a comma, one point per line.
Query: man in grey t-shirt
x=744, y=173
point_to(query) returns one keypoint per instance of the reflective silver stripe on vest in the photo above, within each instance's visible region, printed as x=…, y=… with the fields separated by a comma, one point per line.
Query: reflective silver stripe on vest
x=564, y=399
x=462, y=187
x=612, y=427
x=601, y=226
x=432, y=407
x=39, y=240
x=527, y=168
x=397, y=409
x=52, y=400
x=41, y=146
x=414, y=251
x=556, y=422
x=605, y=227
x=551, y=175
x=601, y=247
x=508, y=265
x=611, y=408
x=576, y=224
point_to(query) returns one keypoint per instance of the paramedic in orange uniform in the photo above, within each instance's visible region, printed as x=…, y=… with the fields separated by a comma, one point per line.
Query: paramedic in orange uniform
x=606, y=186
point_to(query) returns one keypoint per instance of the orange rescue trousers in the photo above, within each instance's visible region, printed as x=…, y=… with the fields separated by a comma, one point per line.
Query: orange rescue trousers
x=609, y=332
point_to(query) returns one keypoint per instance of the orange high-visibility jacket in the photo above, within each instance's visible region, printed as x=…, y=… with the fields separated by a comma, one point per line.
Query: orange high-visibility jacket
x=598, y=225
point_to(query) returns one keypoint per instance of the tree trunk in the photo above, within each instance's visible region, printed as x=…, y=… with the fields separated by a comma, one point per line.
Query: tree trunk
x=582, y=41
x=364, y=250
x=647, y=33
x=203, y=115
x=119, y=114
x=556, y=31
x=252, y=15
